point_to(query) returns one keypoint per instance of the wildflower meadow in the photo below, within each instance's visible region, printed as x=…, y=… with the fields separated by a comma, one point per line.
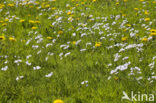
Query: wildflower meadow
x=77, y=51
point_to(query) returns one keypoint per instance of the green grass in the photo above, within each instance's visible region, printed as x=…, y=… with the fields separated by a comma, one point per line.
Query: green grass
x=90, y=65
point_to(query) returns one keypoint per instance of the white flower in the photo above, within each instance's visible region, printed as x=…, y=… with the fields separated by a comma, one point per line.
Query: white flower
x=60, y=54
x=109, y=77
x=28, y=56
x=85, y=82
x=49, y=44
x=109, y=65
x=39, y=52
x=151, y=65
x=37, y=67
x=46, y=58
x=67, y=54
x=49, y=75
x=35, y=46
x=125, y=58
x=120, y=67
x=28, y=63
x=116, y=56
x=74, y=34
x=67, y=46
x=78, y=42
x=4, y=68
x=139, y=78
x=19, y=77
x=83, y=50
x=28, y=42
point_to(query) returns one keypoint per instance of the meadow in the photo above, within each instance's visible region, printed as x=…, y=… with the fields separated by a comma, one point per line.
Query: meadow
x=77, y=51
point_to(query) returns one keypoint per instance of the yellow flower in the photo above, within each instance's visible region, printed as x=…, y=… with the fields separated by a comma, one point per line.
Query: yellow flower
x=31, y=21
x=124, y=38
x=49, y=37
x=144, y=39
x=6, y=19
x=117, y=3
x=22, y=20
x=4, y=24
x=147, y=19
x=146, y=12
x=37, y=2
x=60, y=32
x=11, y=5
x=53, y=8
x=34, y=28
x=2, y=38
x=123, y=14
x=1, y=6
x=23, y=41
x=141, y=0
x=74, y=42
x=77, y=18
x=153, y=34
x=136, y=8
x=37, y=22
x=58, y=101
x=47, y=6
x=154, y=2
x=77, y=4
x=94, y=0
x=31, y=6
x=82, y=3
x=12, y=39
x=29, y=15
x=69, y=13
x=56, y=17
x=125, y=0
x=98, y=44
x=129, y=25
x=153, y=30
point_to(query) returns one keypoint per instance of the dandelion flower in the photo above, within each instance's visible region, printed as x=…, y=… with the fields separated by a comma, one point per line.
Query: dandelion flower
x=34, y=28
x=58, y=101
x=117, y=3
x=69, y=13
x=125, y=0
x=53, y=8
x=146, y=12
x=47, y=6
x=60, y=32
x=21, y=21
x=153, y=30
x=6, y=19
x=12, y=39
x=2, y=37
x=147, y=19
x=94, y=0
x=49, y=37
x=74, y=42
x=10, y=5
x=136, y=9
x=4, y=24
x=31, y=21
x=144, y=39
x=98, y=44
x=124, y=38
x=153, y=34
